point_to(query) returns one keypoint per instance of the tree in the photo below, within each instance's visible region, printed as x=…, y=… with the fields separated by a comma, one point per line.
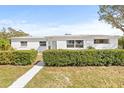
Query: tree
x=15, y=33
x=4, y=44
x=121, y=42
x=3, y=33
x=6, y=34
x=10, y=32
x=112, y=14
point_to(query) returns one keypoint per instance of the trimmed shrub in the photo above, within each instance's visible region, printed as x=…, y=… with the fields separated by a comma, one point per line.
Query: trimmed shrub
x=84, y=57
x=90, y=47
x=19, y=57
x=5, y=57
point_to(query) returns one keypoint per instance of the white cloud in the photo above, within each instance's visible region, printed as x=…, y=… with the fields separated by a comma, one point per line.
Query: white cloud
x=5, y=22
x=92, y=27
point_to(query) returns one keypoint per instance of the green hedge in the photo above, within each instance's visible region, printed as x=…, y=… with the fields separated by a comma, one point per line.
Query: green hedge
x=84, y=57
x=19, y=57
x=5, y=57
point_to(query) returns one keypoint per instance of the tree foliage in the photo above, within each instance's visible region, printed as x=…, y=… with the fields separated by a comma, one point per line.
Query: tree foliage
x=121, y=42
x=112, y=14
x=4, y=44
x=6, y=34
x=10, y=32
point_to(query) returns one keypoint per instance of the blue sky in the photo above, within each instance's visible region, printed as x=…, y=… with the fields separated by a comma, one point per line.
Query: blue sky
x=49, y=14
x=53, y=20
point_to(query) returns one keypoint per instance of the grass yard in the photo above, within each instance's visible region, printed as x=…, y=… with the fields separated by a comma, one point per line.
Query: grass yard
x=79, y=77
x=8, y=74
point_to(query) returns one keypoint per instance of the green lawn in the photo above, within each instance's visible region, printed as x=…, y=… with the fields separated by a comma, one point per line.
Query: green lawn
x=8, y=74
x=78, y=77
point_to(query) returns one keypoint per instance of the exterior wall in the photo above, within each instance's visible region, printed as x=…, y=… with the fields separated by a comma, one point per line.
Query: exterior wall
x=61, y=45
x=89, y=41
x=113, y=43
x=31, y=44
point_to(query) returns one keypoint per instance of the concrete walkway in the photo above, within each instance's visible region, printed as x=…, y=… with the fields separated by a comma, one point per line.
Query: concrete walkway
x=24, y=79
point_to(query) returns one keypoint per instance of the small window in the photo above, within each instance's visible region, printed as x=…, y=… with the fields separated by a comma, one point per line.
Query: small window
x=79, y=44
x=42, y=43
x=23, y=43
x=101, y=41
x=70, y=43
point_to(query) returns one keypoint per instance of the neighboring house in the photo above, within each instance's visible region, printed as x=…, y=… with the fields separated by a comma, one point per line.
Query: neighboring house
x=65, y=42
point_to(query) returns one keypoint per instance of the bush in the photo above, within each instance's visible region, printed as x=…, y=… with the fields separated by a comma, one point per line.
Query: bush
x=19, y=57
x=4, y=44
x=5, y=57
x=90, y=47
x=84, y=57
x=121, y=42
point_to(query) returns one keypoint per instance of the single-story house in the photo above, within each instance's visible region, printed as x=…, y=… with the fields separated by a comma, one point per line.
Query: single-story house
x=65, y=42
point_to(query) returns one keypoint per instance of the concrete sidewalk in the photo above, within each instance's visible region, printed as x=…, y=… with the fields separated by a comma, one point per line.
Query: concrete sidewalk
x=24, y=79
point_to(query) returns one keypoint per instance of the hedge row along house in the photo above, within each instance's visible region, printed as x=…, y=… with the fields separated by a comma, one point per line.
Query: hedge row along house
x=65, y=42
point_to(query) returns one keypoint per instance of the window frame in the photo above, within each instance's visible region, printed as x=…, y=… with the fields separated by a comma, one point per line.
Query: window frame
x=79, y=45
x=24, y=43
x=75, y=45
x=71, y=45
x=103, y=42
x=41, y=44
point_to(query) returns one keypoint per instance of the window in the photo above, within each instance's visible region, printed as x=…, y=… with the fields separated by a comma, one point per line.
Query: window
x=70, y=43
x=74, y=43
x=42, y=43
x=79, y=43
x=23, y=43
x=101, y=41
